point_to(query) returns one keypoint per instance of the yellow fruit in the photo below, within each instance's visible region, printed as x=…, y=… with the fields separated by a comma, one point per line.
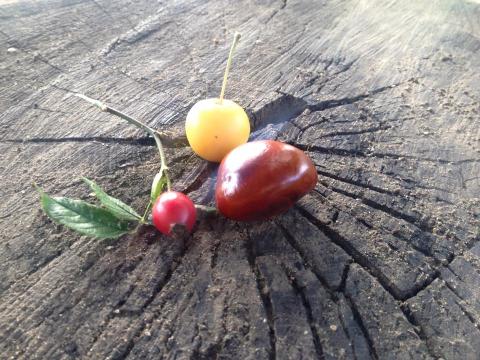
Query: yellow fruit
x=214, y=128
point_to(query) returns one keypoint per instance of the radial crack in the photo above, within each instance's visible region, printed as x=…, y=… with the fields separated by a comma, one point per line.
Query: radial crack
x=287, y=107
x=180, y=233
x=362, y=154
x=425, y=251
x=417, y=327
x=357, y=183
x=358, y=132
x=328, y=104
x=308, y=312
x=142, y=141
x=282, y=109
x=467, y=313
x=358, y=319
x=139, y=141
x=200, y=179
x=367, y=264
x=264, y=293
x=294, y=244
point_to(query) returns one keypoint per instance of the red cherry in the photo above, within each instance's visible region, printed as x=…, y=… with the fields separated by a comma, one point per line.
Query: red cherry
x=261, y=179
x=173, y=208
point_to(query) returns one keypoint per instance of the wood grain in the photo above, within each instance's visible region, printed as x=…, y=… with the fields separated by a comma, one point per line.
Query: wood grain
x=380, y=261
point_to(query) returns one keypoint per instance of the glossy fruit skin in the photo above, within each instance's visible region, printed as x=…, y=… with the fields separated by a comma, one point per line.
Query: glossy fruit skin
x=213, y=129
x=261, y=179
x=173, y=208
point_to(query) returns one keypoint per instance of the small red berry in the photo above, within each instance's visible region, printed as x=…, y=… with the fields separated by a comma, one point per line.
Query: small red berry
x=173, y=208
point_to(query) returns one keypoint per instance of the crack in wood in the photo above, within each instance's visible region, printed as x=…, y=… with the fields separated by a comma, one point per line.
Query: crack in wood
x=437, y=273
x=332, y=292
x=329, y=77
x=426, y=283
x=287, y=107
x=177, y=142
x=142, y=141
x=140, y=32
x=328, y=150
x=343, y=282
x=357, y=132
x=346, y=328
x=362, y=154
x=310, y=125
x=36, y=56
x=417, y=327
x=108, y=14
x=167, y=141
x=275, y=12
x=357, y=183
x=374, y=205
x=216, y=348
x=282, y=109
x=365, y=263
x=429, y=160
x=358, y=319
x=417, y=184
x=203, y=175
x=263, y=292
x=294, y=244
x=358, y=257
x=179, y=234
x=422, y=225
x=299, y=290
x=214, y=249
x=462, y=307
x=56, y=256
x=328, y=104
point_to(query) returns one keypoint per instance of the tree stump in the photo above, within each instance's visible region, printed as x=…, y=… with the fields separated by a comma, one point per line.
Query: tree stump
x=380, y=261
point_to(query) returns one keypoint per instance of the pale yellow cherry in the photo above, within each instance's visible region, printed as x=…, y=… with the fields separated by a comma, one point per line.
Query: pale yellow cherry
x=216, y=126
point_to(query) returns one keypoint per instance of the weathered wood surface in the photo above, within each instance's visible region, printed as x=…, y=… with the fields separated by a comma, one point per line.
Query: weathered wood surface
x=382, y=260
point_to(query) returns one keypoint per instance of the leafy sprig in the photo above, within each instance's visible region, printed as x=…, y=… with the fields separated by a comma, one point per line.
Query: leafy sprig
x=116, y=207
x=112, y=219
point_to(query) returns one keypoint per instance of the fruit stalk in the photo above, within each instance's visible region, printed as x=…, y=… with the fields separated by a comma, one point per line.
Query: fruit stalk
x=236, y=38
x=156, y=135
x=206, y=209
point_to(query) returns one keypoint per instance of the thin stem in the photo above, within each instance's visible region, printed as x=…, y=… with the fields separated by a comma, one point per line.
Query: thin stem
x=142, y=220
x=229, y=63
x=118, y=113
x=163, y=160
x=156, y=135
x=166, y=137
x=207, y=209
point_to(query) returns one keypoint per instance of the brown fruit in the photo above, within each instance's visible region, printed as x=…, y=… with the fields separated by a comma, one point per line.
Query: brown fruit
x=261, y=179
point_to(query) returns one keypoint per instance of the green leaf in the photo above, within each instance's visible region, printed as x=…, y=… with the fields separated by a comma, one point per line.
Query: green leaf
x=83, y=217
x=115, y=206
x=159, y=183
